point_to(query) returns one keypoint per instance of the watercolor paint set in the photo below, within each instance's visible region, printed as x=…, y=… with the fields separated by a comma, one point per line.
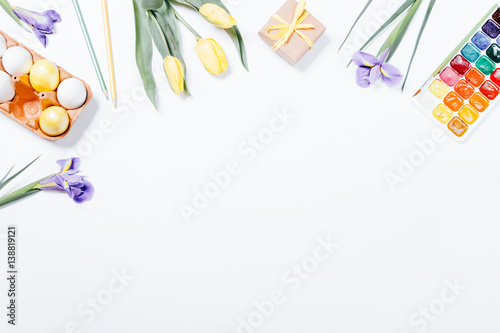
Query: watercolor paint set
x=466, y=86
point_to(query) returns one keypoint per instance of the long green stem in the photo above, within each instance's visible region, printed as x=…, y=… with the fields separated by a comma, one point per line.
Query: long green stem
x=21, y=193
x=192, y=4
x=190, y=28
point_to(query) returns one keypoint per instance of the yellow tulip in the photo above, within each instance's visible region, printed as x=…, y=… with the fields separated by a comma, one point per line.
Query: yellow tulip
x=175, y=74
x=217, y=16
x=212, y=56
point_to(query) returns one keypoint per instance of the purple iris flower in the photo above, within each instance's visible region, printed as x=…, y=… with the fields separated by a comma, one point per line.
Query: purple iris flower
x=76, y=186
x=371, y=69
x=41, y=23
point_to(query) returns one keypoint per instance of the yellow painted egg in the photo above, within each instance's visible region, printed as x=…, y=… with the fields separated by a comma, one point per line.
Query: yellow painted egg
x=54, y=121
x=44, y=76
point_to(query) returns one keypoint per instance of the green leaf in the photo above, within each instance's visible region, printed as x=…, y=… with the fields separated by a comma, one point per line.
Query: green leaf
x=4, y=183
x=144, y=51
x=233, y=32
x=355, y=22
x=157, y=34
x=8, y=8
x=399, y=32
x=151, y=4
x=235, y=35
x=168, y=23
x=422, y=28
x=21, y=193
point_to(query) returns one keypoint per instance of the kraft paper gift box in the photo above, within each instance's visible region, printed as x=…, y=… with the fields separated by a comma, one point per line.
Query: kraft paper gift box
x=297, y=46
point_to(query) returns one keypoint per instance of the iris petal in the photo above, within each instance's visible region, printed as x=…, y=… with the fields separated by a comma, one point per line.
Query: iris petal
x=86, y=193
x=363, y=77
x=383, y=56
x=69, y=164
x=391, y=75
x=365, y=59
x=375, y=74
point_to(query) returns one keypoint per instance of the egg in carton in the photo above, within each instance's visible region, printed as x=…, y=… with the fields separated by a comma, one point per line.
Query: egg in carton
x=27, y=105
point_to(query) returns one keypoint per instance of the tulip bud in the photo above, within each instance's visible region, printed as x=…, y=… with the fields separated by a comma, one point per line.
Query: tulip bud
x=175, y=74
x=212, y=56
x=217, y=16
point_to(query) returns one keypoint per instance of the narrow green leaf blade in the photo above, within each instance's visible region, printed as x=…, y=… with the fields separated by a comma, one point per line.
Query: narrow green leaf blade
x=144, y=51
x=389, y=21
x=399, y=32
x=4, y=183
x=355, y=22
x=394, y=16
x=6, y=175
x=422, y=28
x=8, y=8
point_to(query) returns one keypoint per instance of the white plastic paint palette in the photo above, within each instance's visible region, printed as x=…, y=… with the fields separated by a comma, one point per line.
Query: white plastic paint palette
x=466, y=86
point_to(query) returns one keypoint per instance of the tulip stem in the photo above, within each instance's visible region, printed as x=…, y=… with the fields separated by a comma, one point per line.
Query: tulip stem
x=193, y=5
x=190, y=28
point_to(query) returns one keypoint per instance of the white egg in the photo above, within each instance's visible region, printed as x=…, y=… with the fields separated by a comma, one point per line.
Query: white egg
x=7, y=91
x=3, y=45
x=71, y=93
x=17, y=61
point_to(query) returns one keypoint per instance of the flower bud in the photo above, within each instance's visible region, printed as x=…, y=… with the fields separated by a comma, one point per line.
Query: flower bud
x=217, y=16
x=212, y=56
x=175, y=74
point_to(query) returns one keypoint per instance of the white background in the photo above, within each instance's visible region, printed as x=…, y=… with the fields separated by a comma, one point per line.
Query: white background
x=323, y=176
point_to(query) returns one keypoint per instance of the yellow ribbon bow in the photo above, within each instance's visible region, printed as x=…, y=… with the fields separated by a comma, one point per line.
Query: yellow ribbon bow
x=287, y=29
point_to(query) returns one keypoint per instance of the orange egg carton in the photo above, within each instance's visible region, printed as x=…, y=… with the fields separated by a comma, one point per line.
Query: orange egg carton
x=28, y=104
